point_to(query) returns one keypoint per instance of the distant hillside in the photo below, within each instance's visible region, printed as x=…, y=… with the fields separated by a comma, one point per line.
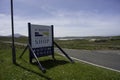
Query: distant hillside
x=17, y=35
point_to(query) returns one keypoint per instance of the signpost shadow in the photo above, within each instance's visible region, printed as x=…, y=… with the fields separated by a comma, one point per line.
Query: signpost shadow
x=48, y=64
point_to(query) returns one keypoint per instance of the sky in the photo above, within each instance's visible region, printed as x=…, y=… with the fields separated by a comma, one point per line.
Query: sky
x=69, y=17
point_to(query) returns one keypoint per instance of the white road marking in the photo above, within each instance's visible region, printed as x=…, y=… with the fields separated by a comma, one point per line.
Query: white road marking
x=95, y=64
x=92, y=64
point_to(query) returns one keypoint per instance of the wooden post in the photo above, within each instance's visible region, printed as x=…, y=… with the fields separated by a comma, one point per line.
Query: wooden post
x=13, y=45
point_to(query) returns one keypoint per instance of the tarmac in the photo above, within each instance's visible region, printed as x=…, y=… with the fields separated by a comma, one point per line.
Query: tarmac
x=109, y=59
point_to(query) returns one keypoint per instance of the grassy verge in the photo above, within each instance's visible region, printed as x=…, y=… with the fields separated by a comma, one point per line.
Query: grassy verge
x=90, y=45
x=19, y=39
x=61, y=69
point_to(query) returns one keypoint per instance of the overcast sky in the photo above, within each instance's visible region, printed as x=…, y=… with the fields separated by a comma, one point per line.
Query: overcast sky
x=69, y=17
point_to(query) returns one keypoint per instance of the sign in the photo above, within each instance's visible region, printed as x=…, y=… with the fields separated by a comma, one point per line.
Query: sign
x=41, y=39
x=41, y=43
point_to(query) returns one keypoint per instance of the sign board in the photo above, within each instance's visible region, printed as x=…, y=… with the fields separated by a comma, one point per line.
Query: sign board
x=41, y=39
x=41, y=43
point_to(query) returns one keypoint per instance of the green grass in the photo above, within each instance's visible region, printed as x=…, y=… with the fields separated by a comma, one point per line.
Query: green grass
x=61, y=69
x=20, y=39
x=88, y=45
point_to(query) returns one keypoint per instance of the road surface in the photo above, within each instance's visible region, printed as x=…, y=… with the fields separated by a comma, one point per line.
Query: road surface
x=106, y=58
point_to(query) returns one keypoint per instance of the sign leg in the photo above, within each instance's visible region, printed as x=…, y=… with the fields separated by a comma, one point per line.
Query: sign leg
x=63, y=52
x=23, y=52
x=53, y=56
x=39, y=64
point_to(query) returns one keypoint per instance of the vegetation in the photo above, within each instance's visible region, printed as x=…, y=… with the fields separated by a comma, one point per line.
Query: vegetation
x=99, y=44
x=61, y=69
x=19, y=39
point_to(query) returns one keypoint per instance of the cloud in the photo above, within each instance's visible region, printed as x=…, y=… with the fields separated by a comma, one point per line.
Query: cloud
x=4, y=24
x=66, y=23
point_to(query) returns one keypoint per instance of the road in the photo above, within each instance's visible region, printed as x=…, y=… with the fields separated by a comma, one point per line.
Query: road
x=106, y=58
x=17, y=43
x=109, y=59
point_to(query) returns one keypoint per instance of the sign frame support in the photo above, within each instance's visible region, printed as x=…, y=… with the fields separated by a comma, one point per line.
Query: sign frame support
x=36, y=58
x=29, y=39
x=53, y=54
x=63, y=52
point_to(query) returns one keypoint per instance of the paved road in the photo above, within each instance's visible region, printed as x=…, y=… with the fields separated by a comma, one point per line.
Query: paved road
x=23, y=44
x=106, y=58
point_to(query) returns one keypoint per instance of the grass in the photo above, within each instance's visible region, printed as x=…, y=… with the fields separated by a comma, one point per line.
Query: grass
x=88, y=45
x=19, y=39
x=61, y=69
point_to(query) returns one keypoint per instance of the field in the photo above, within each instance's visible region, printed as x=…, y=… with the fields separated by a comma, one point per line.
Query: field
x=86, y=44
x=61, y=69
x=20, y=39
